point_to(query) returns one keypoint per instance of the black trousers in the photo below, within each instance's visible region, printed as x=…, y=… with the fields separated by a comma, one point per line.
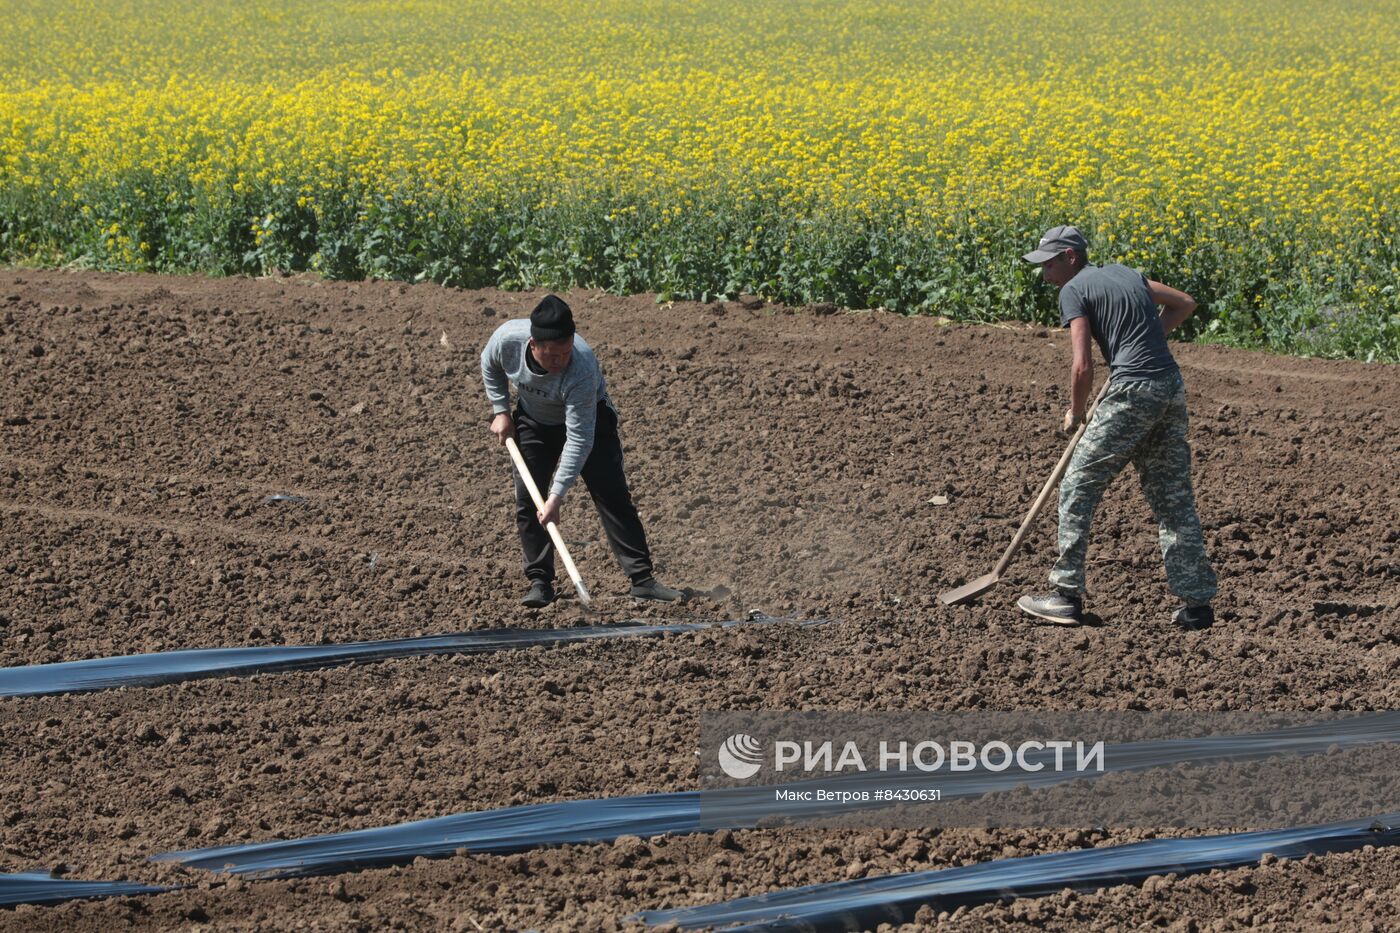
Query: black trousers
x=541, y=445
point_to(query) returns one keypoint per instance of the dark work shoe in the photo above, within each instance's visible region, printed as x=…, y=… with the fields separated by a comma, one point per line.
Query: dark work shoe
x=1053, y=607
x=1194, y=618
x=650, y=589
x=541, y=594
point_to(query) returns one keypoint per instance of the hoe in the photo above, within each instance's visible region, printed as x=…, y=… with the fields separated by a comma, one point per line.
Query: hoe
x=982, y=584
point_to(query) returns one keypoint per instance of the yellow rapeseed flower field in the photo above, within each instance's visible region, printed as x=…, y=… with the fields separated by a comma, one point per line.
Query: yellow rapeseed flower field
x=885, y=152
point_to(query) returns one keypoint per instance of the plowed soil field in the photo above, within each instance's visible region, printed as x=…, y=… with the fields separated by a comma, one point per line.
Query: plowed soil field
x=783, y=460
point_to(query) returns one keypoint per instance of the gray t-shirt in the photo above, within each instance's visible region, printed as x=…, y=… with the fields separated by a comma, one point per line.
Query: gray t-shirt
x=570, y=398
x=1123, y=319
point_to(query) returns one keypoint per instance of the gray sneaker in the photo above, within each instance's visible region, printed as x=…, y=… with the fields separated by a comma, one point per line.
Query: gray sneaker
x=1053, y=607
x=650, y=589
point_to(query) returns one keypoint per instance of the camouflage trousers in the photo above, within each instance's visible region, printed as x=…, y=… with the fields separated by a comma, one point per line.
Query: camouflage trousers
x=1144, y=422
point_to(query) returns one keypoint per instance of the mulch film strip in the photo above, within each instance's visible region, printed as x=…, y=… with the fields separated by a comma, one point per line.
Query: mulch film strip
x=868, y=902
x=168, y=667
x=41, y=888
x=530, y=826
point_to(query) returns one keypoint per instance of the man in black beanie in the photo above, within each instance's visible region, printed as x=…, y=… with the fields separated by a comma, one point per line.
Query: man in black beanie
x=566, y=427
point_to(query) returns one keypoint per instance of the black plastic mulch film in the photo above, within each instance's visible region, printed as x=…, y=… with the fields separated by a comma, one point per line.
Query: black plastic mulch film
x=840, y=906
x=869, y=902
x=40, y=888
x=530, y=826
x=168, y=667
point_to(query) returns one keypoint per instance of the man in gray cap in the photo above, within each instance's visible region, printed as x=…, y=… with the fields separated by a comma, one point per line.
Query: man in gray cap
x=1141, y=420
x=566, y=427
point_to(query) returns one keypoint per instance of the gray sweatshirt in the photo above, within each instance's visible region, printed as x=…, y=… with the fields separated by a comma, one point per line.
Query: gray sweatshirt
x=570, y=398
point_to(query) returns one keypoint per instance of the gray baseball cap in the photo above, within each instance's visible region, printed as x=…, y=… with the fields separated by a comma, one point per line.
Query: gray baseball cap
x=1055, y=242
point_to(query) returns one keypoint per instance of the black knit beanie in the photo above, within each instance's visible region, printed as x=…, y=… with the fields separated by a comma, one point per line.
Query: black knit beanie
x=551, y=320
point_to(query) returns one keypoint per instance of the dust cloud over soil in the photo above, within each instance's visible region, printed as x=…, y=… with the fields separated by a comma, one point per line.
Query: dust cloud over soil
x=783, y=460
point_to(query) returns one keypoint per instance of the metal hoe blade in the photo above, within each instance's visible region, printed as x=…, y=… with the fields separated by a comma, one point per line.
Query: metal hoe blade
x=583, y=596
x=969, y=590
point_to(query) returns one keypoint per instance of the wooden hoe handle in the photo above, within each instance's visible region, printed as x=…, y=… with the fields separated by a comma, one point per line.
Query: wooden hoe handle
x=1055, y=477
x=552, y=528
